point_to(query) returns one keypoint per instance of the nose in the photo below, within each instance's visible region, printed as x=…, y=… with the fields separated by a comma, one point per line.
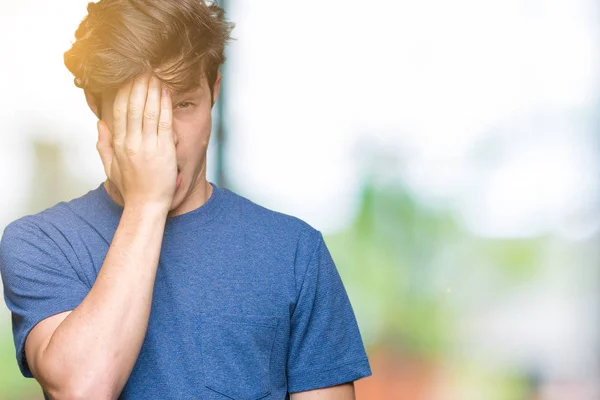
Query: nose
x=175, y=137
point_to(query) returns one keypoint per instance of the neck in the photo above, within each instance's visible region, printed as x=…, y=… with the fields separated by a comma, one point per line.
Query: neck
x=193, y=199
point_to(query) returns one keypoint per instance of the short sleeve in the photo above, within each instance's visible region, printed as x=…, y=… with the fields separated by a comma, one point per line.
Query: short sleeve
x=326, y=348
x=38, y=280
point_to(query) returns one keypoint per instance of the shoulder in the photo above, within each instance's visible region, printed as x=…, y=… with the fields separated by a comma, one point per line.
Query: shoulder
x=42, y=222
x=276, y=226
x=31, y=228
x=44, y=230
x=31, y=237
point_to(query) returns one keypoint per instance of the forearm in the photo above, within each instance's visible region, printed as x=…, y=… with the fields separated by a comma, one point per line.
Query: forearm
x=95, y=348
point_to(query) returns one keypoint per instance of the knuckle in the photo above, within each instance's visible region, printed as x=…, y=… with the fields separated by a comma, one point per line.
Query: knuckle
x=118, y=114
x=130, y=147
x=151, y=115
x=134, y=109
x=130, y=151
x=164, y=126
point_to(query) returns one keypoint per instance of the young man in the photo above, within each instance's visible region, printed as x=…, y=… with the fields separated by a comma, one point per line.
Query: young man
x=158, y=284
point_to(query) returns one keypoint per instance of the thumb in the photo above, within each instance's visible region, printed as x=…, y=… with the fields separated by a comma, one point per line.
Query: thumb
x=104, y=147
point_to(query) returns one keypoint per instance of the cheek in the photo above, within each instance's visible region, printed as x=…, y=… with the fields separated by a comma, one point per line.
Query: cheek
x=193, y=131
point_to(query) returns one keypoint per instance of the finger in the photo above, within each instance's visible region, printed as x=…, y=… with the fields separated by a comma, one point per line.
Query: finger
x=152, y=110
x=135, y=109
x=104, y=147
x=120, y=113
x=165, y=122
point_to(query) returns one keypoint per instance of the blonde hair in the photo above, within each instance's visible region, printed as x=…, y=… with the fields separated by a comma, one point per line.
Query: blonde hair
x=179, y=41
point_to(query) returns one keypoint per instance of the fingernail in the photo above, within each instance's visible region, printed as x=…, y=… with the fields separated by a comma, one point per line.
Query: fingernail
x=165, y=92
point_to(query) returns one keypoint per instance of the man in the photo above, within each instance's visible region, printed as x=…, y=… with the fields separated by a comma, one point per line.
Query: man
x=158, y=284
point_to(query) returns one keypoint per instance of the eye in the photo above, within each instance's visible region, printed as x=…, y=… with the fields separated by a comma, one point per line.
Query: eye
x=184, y=105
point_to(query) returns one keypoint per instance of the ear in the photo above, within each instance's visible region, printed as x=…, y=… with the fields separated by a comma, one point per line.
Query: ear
x=94, y=103
x=217, y=88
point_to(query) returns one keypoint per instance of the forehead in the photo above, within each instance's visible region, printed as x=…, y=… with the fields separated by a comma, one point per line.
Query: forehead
x=110, y=95
x=192, y=93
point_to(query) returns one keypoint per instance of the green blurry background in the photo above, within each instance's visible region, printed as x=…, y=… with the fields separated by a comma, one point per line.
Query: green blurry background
x=447, y=150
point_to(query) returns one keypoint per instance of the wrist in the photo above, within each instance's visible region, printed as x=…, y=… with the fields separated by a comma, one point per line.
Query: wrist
x=147, y=210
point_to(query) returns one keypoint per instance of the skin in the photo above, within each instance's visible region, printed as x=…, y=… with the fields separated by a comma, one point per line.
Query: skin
x=148, y=136
x=192, y=124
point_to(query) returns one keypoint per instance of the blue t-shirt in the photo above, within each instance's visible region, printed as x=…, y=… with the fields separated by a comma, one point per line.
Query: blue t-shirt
x=247, y=305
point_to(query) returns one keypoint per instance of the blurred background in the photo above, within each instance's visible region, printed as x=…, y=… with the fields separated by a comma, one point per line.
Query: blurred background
x=448, y=150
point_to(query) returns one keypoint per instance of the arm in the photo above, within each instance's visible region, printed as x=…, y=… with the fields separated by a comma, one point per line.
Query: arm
x=90, y=352
x=340, y=392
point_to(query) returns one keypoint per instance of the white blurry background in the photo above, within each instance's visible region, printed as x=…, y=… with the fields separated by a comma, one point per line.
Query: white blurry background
x=489, y=108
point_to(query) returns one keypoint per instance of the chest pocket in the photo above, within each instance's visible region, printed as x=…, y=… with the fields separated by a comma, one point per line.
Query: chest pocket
x=236, y=355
